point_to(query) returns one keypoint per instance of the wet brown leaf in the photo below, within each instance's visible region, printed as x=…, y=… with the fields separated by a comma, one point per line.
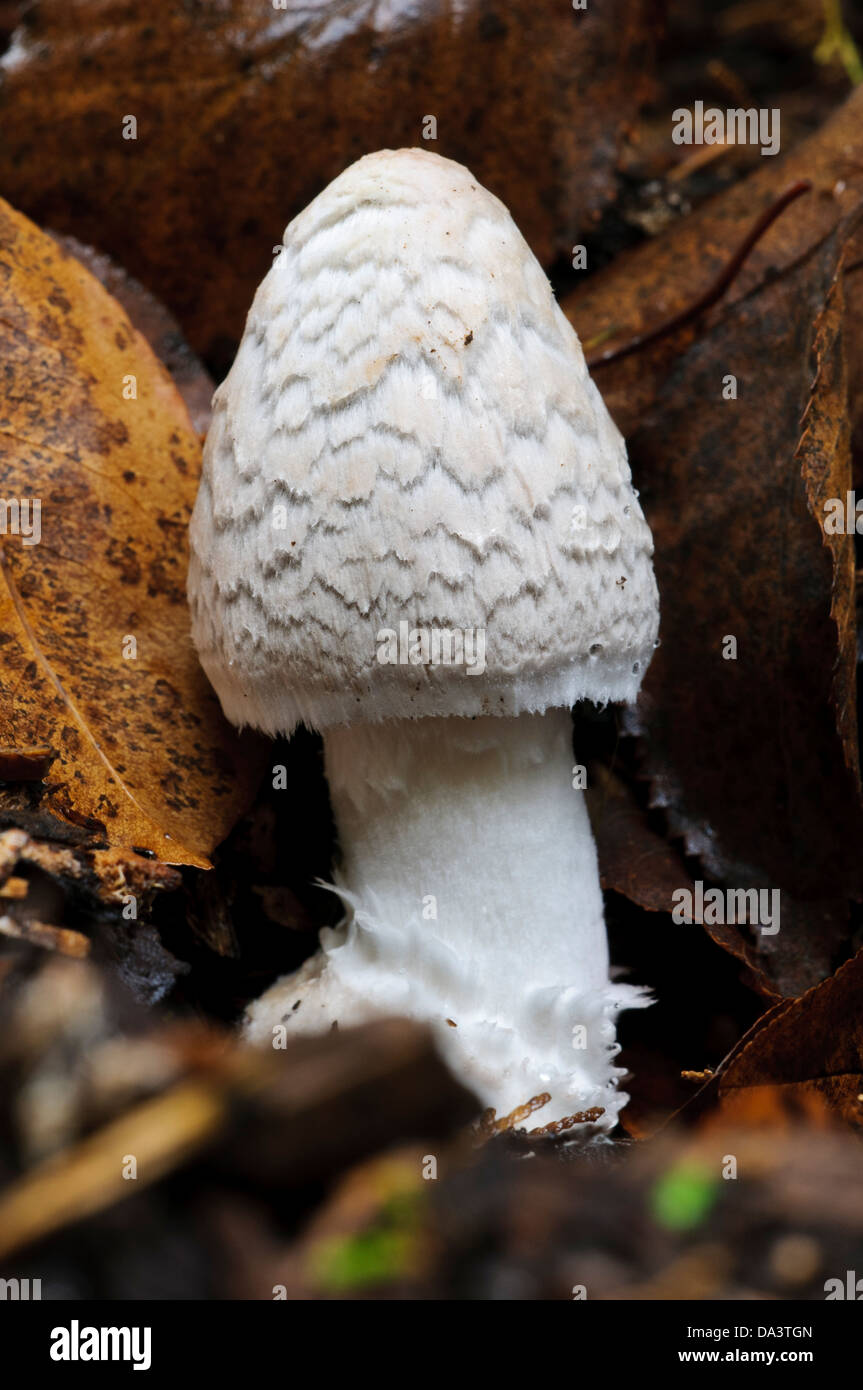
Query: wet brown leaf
x=645, y=286
x=244, y=113
x=753, y=760
x=144, y=759
x=814, y=1044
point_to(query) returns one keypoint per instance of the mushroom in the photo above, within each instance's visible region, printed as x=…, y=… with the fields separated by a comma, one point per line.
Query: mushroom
x=416, y=532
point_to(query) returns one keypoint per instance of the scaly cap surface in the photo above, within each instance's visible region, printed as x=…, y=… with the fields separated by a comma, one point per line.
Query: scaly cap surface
x=409, y=435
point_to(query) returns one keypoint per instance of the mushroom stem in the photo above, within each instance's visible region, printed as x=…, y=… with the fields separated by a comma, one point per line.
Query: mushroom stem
x=470, y=876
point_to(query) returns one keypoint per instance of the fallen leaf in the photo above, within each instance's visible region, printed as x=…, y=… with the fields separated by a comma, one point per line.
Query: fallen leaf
x=814, y=1044
x=244, y=113
x=159, y=328
x=634, y=859
x=661, y=277
x=96, y=662
x=812, y=940
x=753, y=759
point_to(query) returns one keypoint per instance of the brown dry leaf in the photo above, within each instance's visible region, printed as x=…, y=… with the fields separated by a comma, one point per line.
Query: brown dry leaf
x=814, y=1044
x=244, y=113
x=157, y=326
x=144, y=759
x=753, y=759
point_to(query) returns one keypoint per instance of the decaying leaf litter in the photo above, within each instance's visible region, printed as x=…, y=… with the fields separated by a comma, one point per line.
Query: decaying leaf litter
x=739, y=774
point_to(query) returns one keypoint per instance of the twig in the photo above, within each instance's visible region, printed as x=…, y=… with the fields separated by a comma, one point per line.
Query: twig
x=715, y=291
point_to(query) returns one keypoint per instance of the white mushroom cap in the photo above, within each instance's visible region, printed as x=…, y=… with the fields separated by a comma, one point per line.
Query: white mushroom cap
x=409, y=434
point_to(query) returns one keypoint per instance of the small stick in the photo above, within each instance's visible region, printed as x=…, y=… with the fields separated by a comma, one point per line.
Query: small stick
x=489, y=1125
x=583, y=1117
x=62, y=939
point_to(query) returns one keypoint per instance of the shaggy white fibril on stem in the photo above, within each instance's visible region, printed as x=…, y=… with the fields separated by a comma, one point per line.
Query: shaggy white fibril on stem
x=470, y=876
